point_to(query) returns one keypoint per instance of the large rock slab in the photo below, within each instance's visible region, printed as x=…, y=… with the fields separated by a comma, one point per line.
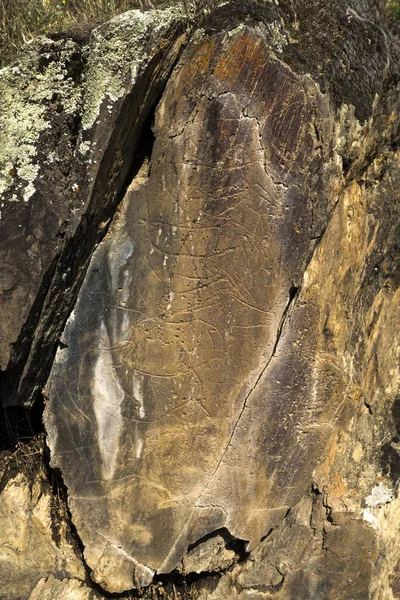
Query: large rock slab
x=231, y=367
x=177, y=403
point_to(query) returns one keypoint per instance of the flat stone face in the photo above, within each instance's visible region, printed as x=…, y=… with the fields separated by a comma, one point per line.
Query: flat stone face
x=175, y=405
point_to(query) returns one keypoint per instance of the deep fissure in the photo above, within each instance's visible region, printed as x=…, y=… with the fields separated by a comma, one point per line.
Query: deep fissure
x=129, y=145
x=22, y=423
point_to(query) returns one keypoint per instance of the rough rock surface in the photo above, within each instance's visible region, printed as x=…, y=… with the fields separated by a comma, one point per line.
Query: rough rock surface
x=71, y=122
x=31, y=543
x=224, y=404
x=209, y=555
x=170, y=348
x=67, y=589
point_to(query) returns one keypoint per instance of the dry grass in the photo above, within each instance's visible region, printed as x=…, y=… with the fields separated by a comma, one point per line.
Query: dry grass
x=26, y=457
x=393, y=10
x=22, y=20
x=160, y=592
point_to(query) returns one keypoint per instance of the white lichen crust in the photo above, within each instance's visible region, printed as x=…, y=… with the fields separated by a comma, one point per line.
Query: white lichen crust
x=118, y=50
x=26, y=92
x=381, y=494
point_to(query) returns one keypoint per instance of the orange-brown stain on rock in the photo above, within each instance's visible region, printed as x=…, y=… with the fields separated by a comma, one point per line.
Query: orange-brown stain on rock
x=242, y=65
x=194, y=71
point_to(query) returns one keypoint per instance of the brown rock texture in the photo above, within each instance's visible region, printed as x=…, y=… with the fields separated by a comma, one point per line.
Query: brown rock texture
x=34, y=538
x=67, y=589
x=173, y=338
x=223, y=409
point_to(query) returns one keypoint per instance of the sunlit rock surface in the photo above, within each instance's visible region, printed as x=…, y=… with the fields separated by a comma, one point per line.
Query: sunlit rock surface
x=174, y=404
x=32, y=542
x=67, y=589
x=224, y=403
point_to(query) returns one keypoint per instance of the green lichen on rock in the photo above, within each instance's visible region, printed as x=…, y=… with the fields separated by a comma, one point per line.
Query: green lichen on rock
x=118, y=50
x=277, y=35
x=28, y=93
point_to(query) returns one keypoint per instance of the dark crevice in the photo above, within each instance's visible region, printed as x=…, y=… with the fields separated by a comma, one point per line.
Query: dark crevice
x=368, y=406
x=129, y=146
x=267, y=535
x=321, y=513
x=316, y=503
x=293, y=295
x=237, y=545
x=9, y=379
x=346, y=165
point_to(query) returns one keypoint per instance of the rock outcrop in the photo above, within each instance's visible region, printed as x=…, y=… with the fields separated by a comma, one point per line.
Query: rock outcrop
x=35, y=538
x=214, y=318
x=74, y=128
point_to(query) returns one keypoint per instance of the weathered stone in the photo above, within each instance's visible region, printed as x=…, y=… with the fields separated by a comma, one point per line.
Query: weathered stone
x=67, y=589
x=29, y=547
x=71, y=127
x=173, y=341
x=41, y=98
x=210, y=555
x=230, y=370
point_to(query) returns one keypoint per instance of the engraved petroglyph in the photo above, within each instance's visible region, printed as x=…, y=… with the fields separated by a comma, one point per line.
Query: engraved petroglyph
x=194, y=283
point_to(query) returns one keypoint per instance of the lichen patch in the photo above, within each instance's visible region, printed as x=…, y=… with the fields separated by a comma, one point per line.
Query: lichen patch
x=380, y=494
x=27, y=96
x=118, y=50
